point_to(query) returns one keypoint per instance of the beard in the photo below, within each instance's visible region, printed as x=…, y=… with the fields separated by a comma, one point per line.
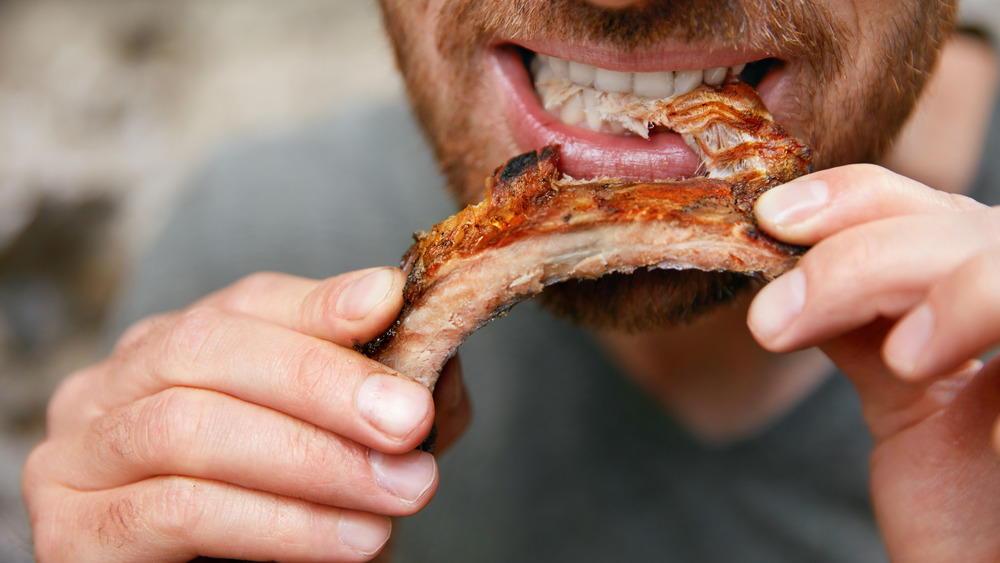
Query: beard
x=849, y=102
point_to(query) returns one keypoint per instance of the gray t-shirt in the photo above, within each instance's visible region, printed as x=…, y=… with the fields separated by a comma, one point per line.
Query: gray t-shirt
x=565, y=460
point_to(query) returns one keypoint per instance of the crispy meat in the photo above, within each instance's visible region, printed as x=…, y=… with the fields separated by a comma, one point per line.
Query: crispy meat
x=535, y=229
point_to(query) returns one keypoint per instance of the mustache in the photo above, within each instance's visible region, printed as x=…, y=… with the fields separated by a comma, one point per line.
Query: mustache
x=802, y=29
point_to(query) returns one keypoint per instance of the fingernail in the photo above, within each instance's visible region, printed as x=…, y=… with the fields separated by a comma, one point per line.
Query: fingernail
x=407, y=476
x=364, y=533
x=778, y=304
x=793, y=202
x=909, y=338
x=393, y=405
x=362, y=296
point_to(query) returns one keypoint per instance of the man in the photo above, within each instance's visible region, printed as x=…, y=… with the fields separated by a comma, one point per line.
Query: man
x=245, y=426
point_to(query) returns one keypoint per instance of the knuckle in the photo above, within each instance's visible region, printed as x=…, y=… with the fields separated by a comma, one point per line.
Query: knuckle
x=66, y=397
x=182, y=506
x=862, y=251
x=170, y=423
x=193, y=333
x=319, y=305
x=248, y=288
x=187, y=507
x=318, y=452
x=873, y=171
x=141, y=333
x=112, y=433
x=314, y=451
x=315, y=372
x=143, y=344
x=160, y=427
x=959, y=202
x=846, y=255
x=857, y=177
x=120, y=524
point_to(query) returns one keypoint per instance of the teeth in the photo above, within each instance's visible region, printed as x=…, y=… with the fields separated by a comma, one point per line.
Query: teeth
x=611, y=81
x=590, y=103
x=571, y=89
x=572, y=110
x=653, y=84
x=581, y=74
x=715, y=76
x=559, y=66
x=687, y=80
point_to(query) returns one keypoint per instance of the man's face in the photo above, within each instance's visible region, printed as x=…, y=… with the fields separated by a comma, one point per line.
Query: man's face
x=842, y=75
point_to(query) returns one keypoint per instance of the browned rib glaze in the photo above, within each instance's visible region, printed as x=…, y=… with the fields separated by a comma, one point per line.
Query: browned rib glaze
x=533, y=229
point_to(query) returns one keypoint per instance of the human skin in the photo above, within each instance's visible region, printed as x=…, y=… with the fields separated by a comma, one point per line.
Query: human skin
x=177, y=445
x=461, y=61
x=244, y=426
x=896, y=290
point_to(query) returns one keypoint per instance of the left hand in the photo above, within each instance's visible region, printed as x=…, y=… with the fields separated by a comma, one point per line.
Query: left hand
x=902, y=291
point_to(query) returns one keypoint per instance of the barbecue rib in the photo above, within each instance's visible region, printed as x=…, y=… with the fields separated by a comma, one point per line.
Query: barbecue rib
x=535, y=229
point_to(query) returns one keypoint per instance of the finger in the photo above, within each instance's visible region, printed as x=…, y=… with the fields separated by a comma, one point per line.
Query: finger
x=208, y=435
x=816, y=206
x=891, y=404
x=178, y=518
x=451, y=403
x=960, y=319
x=349, y=309
x=265, y=364
x=879, y=269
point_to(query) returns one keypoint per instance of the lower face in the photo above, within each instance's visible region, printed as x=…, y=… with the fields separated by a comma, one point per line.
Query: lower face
x=841, y=75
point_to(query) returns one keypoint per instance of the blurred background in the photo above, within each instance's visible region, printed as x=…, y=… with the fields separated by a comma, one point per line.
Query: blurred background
x=106, y=107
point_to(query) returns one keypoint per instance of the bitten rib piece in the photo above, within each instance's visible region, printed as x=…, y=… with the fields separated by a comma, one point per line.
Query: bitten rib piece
x=535, y=229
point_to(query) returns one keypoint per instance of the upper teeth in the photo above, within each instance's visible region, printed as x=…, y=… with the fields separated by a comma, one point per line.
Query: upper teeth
x=572, y=89
x=662, y=84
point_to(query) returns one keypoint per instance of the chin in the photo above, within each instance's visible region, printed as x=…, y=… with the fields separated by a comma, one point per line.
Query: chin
x=645, y=300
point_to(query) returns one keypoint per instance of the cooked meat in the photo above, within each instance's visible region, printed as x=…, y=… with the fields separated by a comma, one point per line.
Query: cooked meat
x=535, y=229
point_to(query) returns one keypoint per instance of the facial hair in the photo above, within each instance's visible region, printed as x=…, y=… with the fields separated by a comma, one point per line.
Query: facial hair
x=844, y=116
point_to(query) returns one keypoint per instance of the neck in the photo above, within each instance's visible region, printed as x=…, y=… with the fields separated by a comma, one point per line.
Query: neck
x=714, y=377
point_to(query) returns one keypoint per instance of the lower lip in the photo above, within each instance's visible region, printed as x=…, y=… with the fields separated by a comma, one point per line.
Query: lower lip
x=583, y=153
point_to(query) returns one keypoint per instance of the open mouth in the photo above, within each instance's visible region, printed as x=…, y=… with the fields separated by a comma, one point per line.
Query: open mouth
x=555, y=100
x=579, y=94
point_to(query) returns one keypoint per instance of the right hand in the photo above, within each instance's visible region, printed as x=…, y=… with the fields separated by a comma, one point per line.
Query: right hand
x=244, y=426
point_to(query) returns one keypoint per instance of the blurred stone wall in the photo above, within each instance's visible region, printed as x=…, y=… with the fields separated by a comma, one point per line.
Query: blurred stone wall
x=105, y=107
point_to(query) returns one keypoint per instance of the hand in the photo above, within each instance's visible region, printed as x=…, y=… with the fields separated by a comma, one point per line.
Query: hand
x=901, y=290
x=243, y=427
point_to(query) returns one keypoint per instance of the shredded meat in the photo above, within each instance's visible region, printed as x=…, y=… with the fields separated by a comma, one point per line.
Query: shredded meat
x=535, y=229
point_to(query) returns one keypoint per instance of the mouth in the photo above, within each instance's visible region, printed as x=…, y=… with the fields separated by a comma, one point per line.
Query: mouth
x=552, y=99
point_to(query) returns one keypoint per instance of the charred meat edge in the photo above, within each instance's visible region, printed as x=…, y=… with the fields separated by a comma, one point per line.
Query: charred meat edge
x=535, y=229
